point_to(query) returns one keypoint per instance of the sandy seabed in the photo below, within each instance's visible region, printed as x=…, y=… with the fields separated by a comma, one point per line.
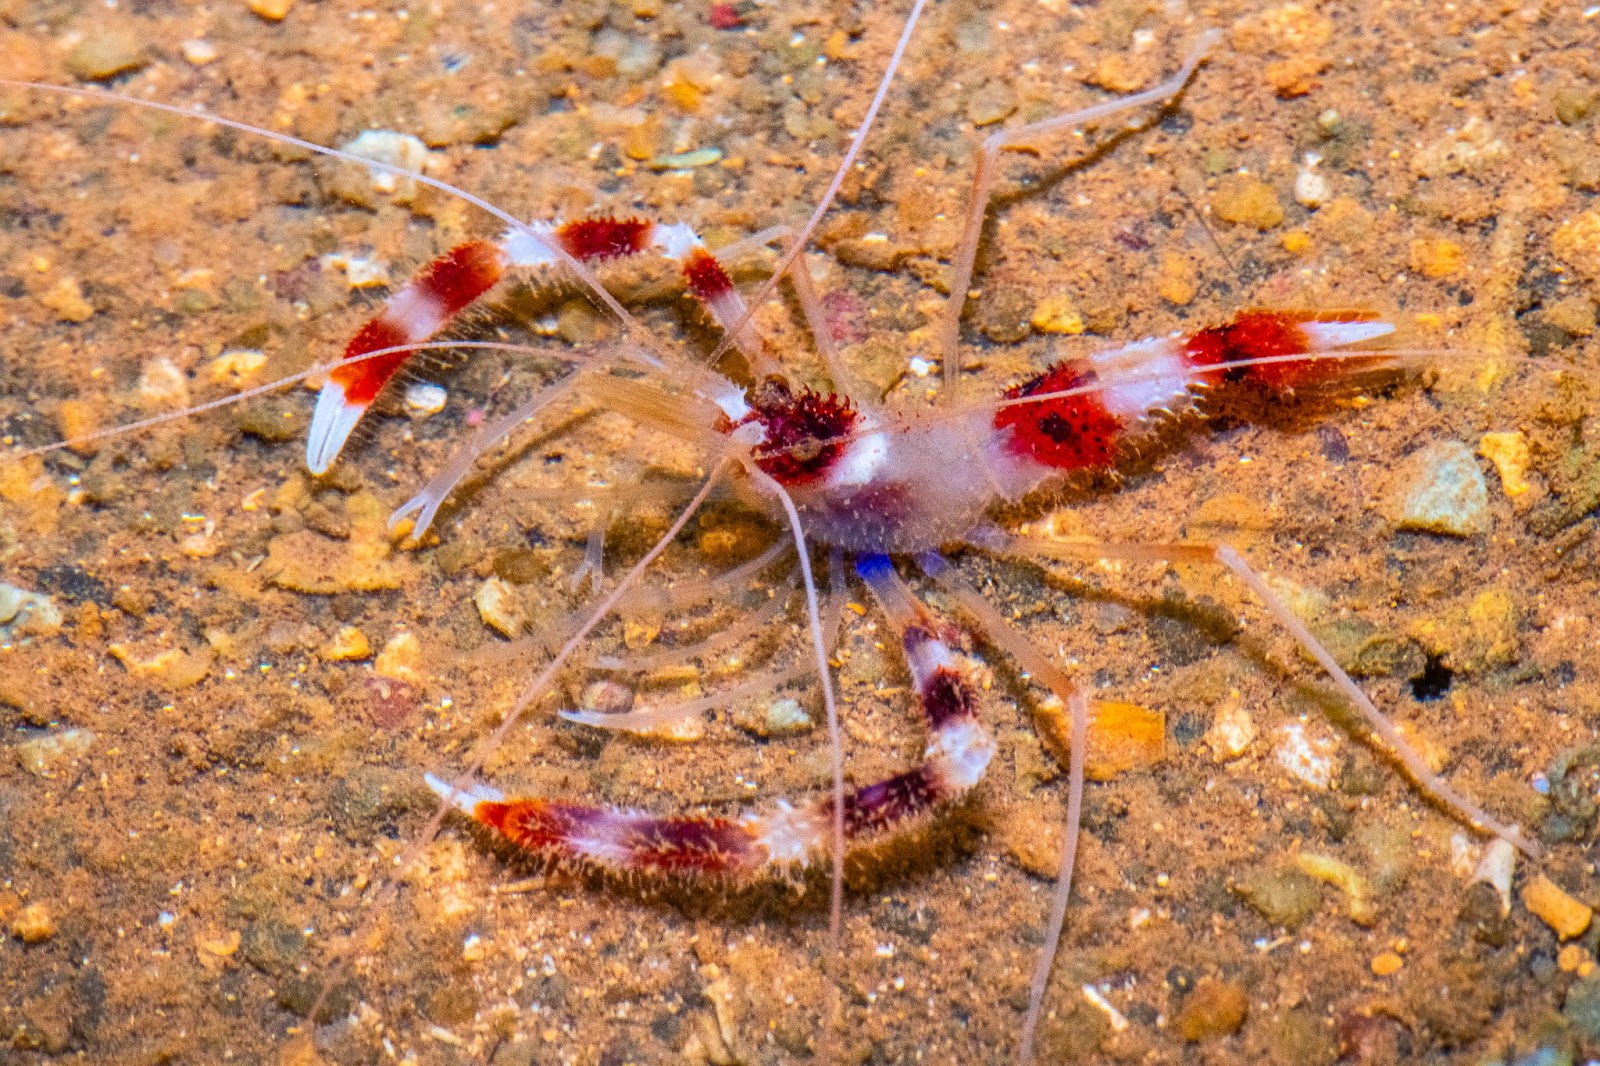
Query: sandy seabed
x=200, y=799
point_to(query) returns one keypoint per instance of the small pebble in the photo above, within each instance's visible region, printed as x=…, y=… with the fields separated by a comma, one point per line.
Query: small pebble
x=172, y=668
x=271, y=10
x=348, y=644
x=424, y=400
x=1247, y=200
x=1004, y=315
x=1386, y=962
x=400, y=659
x=1572, y=103
x=396, y=149
x=197, y=52
x=1441, y=490
x=1308, y=759
x=1511, y=457
x=162, y=384
x=1232, y=730
x=1177, y=279
x=33, y=924
x=871, y=252
x=360, y=271
x=1437, y=257
x=65, y=298
x=606, y=697
x=219, y=945
x=1571, y=958
x=699, y=157
x=1576, y=242
x=1485, y=633
x=1569, y=917
x=1057, y=314
x=777, y=716
x=106, y=50
x=993, y=103
x=499, y=606
x=24, y=613
x=1283, y=897
x=236, y=366
x=1214, y=1009
x=1575, y=314
x=44, y=756
x=1122, y=736
x=1311, y=189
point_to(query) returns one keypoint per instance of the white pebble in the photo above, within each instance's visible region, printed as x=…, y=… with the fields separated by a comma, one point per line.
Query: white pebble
x=498, y=606
x=360, y=272
x=424, y=400
x=1309, y=759
x=395, y=149
x=44, y=755
x=1495, y=869
x=24, y=613
x=1311, y=189
x=1232, y=730
x=198, y=52
x=162, y=384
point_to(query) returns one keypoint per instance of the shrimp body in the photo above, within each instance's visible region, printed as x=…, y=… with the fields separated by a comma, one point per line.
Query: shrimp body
x=901, y=483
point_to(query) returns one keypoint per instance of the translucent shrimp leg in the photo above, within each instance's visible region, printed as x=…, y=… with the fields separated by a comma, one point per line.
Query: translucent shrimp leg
x=626, y=841
x=995, y=627
x=1436, y=787
x=983, y=178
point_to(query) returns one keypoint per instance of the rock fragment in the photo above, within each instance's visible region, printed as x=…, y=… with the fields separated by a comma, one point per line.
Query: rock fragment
x=1511, y=456
x=106, y=50
x=400, y=659
x=66, y=299
x=46, y=755
x=1569, y=917
x=1214, y=1009
x=348, y=644
x=33, y=924
x=1441, y=490
x=775, y=716
x=499, y=606
x=1285, y=897
x=1232, y=730
x=1306, y=758
x=24, y=613
x=1247, y=200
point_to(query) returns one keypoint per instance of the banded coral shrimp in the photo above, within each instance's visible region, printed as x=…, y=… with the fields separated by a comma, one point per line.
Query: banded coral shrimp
x=956, y=920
